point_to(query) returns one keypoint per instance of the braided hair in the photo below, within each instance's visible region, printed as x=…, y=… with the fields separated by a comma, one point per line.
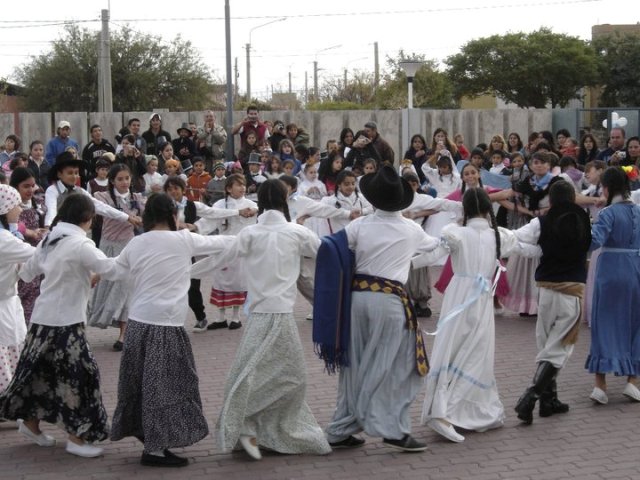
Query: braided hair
x=272, y=195
x=159, y=209
x=476, y=203
x=617, y=183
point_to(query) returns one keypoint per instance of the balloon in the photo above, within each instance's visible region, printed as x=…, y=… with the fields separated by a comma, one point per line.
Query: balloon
x=614, y=116
x=622, y=121
x=604, y=123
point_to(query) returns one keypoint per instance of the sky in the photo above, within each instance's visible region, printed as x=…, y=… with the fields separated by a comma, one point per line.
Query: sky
x=338, y=35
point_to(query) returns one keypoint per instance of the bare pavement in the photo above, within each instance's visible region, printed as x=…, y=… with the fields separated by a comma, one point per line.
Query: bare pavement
x=589, y=443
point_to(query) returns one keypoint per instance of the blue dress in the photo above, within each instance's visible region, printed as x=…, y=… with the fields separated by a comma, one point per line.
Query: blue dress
x=615, y=323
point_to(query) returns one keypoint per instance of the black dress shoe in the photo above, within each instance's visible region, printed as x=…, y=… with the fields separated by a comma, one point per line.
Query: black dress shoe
x=235, y=325
x=349, y=442
x=117, y=347
x=406, y=444
x=169, y=460
x=217, y=325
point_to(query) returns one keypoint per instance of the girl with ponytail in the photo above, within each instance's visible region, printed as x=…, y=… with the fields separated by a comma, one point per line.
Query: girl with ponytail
x=461, y=388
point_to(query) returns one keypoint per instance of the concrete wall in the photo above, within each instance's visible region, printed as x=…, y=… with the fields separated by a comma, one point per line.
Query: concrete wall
x=396, y=126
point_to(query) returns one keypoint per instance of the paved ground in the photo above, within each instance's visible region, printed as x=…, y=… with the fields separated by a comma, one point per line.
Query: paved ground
x=589, y=443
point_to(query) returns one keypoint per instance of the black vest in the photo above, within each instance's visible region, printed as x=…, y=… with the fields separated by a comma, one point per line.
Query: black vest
x=565, y=237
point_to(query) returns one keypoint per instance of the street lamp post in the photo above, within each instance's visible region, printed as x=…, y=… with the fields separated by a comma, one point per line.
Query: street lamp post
x=248, y=47
x=410, y=68
x=315, y=70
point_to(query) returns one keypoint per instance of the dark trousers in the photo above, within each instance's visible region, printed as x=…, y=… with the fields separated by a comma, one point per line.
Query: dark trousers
x=195, y=299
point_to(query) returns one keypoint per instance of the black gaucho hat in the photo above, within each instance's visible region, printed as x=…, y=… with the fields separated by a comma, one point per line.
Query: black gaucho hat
x=65, y=159
x=386, y=190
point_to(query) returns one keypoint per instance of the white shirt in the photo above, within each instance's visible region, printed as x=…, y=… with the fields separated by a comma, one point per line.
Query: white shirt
x=151, y=179
x=67, y=266
x=51, y=202
x=299, y=206
x=444, y=184
x=350, y=203
x=14, y=251
x=423, y=201
x=272, y=249
x=385, y=242
x=229, y=224
x=159, y=266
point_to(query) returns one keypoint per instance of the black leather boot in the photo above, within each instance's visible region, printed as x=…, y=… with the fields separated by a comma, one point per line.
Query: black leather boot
x=527, y=402
x=549, y=403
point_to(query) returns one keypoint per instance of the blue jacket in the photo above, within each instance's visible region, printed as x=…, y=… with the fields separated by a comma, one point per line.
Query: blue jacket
x=56, y=146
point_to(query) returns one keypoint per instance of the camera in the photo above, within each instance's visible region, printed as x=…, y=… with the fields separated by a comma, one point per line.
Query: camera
x=621, y=155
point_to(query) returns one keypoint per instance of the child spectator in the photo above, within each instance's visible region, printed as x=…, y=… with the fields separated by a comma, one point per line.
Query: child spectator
x=215, y=187
x=152, y=179
x=197, y=181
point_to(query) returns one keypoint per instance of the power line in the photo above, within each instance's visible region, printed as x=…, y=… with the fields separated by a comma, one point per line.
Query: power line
x=41, y=23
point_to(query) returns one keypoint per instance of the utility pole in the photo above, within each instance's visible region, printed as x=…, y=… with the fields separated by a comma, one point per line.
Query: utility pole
x=306, y=88
x=235, y=82
x=315, y=81
x=248, y=47
x=344, y=85
x=105, y=99
x=289, y=82
x=376, y=67
x=227, y=30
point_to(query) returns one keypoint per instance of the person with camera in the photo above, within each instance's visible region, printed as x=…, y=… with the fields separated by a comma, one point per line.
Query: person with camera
x=384, y=149
x=278, y=133
x=133, y=158
x=210, y=140
x=615, y=151
x=251, y=123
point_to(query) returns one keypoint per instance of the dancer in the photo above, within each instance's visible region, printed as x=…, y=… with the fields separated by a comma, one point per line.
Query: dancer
x=461, y=388
x=229, y=285
x=14, y=251
x=158, y=397
x=57, y=379
x=108, y=306
x=564, y=234
x=376, y=389
x=264, y=403
x=615, y=315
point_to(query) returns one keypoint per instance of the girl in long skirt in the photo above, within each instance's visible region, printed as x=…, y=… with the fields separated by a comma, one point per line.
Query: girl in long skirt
x=264, y=403
x=57, y=379
x=158, y=397
x=461, y=388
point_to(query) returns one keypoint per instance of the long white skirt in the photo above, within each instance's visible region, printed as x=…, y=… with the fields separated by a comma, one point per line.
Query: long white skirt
x=461, y=386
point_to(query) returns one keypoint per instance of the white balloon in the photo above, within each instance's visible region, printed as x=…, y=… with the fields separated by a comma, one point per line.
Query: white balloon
x=614, y=116
x=622, y=122
x=604, y=123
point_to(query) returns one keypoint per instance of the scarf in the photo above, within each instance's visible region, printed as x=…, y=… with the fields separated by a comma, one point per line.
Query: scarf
x=541, y=183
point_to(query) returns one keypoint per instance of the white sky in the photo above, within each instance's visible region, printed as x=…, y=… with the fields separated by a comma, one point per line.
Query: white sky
x=436, y=29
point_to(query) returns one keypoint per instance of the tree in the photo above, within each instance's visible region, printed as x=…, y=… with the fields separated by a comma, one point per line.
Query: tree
x=145, y=74
x=619, y=63
x=530, y=70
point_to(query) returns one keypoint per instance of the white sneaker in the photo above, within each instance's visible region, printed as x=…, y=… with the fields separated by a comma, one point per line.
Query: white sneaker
x=447, y=431
x=632, y=392
x=41, y=439
x=599, y=396
x=249, y=445
x=85, y=450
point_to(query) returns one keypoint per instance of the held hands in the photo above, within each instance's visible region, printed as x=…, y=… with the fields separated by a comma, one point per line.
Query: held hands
x=135, y=220
x=95, y=278
x=248, y=212
x=354, y=214
x=302, y=219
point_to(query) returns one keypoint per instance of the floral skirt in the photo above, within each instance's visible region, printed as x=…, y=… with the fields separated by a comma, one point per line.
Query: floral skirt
x=8, y=362
x=57, y=380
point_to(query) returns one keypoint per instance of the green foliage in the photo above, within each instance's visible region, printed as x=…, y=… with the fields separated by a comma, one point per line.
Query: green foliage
x=145, y=74
x=431, y=88
x=530, y=70
x=619, y=64
x=327, y=105
x=243, y=103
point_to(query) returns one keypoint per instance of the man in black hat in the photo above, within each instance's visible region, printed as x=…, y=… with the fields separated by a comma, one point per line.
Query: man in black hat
x=385, y=360
x=183, y=147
